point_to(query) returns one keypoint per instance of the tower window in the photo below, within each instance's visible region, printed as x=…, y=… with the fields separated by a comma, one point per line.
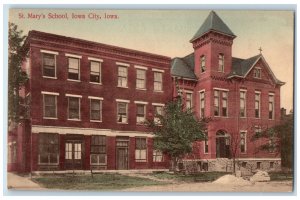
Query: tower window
x=221, y=63
x=202, y=60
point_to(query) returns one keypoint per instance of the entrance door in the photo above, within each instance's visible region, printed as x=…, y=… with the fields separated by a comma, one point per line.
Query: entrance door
x=122, y=152
x=122, y=158
x=74, y=154
x=222, y=146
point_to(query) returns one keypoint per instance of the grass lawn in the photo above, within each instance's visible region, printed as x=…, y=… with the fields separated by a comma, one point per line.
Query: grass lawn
x=104, y=182
x=281, y=176
x=198, y=177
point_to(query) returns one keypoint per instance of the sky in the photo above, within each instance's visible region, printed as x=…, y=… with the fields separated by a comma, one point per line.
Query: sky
x=167, y=32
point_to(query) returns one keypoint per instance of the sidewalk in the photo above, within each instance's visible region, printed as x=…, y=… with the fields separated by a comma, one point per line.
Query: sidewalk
x=17, y=182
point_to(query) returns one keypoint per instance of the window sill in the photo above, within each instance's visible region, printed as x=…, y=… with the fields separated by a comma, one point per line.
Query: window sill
x=143, y=89
x=95, y=83
x=141, y=161
x=48, y=164
x=49, y=77
x=98, y=164
x=122, y=86
x=74, y=80
x=50, y=118
x=160, y=91
x=271, y=119
x=122, y=122
x=95, y=121
x=74, y=119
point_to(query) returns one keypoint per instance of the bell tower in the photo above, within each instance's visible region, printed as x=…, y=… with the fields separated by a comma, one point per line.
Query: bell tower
x=212, y=45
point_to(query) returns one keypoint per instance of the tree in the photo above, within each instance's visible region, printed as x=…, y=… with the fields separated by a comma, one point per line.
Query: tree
x=16, y=77
x=279, y=139
x=176, y=131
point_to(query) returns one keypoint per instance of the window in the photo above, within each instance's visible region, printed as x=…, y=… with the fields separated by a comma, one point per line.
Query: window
x=158, y=110
x=73, y=70
x=74, y=108
x=188, y=100
x=224, y=110
x=257, y=105
x=257, y=73
x=50, y=106
x=157, y=81
x=216, y=103
x=271, y=165
x=96, y=109
x=258, y=165
x=244, y=164
x=140, y=150
x=140, y=79
x=95, y=73
x=122, y=76
x=12, y=152
x=202, y=60
x=48, y=148
x=224, y=103
x=271, y=106
x=206, y=143
x=257, y=130
x=98, y=150
x=140, y=113
x=157, y=156
x=202, y=104
x=272, y=145
x=122, y=112
x=242, y=103
x=49, y=65
x=221, y=63
x=243, y=141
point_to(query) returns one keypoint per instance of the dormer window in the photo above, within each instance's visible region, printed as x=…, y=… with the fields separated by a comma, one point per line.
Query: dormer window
x=257, y=73
x=202, y=60
x=221, y=63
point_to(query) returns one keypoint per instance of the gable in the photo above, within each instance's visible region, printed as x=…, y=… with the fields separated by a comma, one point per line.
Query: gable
x=262, y=68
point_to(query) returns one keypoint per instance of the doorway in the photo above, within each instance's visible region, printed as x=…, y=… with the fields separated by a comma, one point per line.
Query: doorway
x=74, y=152
x=122, y=144
x=222, y=145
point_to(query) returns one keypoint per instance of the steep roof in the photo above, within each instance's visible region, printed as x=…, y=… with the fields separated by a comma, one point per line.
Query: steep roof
x=241, y=67
x=184, y=67
x=212, y=23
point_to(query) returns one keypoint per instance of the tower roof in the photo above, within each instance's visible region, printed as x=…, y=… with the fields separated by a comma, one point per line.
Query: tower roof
x=212, y=23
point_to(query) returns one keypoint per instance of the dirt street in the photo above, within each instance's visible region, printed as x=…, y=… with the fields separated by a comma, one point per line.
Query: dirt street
x=284, y=186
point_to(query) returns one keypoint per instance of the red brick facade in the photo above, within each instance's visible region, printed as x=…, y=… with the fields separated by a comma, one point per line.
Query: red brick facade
x=73, y=144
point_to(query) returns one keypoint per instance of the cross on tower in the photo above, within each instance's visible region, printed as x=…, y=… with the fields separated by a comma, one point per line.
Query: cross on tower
x=260, y=50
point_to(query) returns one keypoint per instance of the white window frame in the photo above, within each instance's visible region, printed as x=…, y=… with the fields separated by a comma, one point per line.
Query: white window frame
x=156, y=120
x=79, y=105
x=156, y=154
x=138, y=68
x=245, y=140
x=259, y=104
x=92, y=153
x=202, y=64
x=187, y=92
x=139, y=160
x=221, y=58
x=126, y=103
x=79, y=61
x=55, y=64
x=158, y=71
x=200, y=113
x=273, y=106
x=100, y=99
x=255, y=74
x=100, y=69
x=120, y=65
x=206, y=142
x=144, y=117
x=245, y=103
x=52, y=94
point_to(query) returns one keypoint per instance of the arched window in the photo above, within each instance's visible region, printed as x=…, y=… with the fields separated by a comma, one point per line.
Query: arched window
x=221, y=63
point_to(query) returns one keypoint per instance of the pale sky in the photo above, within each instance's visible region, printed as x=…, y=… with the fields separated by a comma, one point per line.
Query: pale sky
x=167, y=32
